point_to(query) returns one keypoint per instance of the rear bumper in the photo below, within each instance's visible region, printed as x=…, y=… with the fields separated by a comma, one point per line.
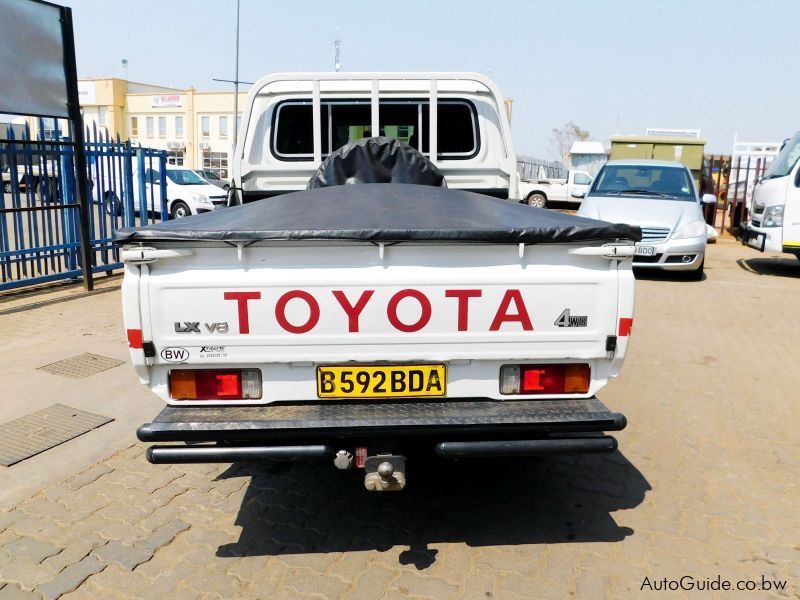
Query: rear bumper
x=315, y=430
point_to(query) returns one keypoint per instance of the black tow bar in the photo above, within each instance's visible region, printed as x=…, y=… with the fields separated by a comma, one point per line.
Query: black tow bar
x=222, y=454
x=604, y=443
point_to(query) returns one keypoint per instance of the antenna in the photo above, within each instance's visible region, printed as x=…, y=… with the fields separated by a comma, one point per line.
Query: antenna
x=337, y=53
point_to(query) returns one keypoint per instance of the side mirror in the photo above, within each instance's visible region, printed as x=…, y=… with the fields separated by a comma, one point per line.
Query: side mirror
x=578, y=193
x=708, y=199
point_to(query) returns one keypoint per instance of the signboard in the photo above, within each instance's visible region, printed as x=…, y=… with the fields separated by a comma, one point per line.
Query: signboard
x=168, y=101
x=33, y=80
x=87, y=92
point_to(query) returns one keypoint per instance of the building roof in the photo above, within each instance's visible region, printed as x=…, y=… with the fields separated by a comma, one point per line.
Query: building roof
x=587, y=148
x=653, y=139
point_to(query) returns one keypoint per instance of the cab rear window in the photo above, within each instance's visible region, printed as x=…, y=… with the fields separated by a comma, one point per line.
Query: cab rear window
x=349, y=120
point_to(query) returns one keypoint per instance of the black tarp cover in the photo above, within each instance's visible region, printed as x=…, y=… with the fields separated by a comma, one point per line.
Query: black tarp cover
x=378, y=212
x=376, y=160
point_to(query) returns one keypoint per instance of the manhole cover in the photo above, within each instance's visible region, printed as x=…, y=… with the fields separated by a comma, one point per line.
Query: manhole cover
x=40, y=431
x=81, y=366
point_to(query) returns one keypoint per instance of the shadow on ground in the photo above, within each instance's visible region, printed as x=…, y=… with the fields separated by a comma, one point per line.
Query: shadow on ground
x=778, y=267
x=662, y=275
x=308, y=508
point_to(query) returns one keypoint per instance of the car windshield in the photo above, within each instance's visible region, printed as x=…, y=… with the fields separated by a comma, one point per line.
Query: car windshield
x=184, y=177
x=645, y=181
x=786, y=159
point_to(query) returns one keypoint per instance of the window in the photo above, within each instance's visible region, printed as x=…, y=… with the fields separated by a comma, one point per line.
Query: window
x=49, y=128
x=179, y=128
x=347, y=121
x=149, y=123
x=644, y=181
x=223, y=127
x=205, y=126
x=134, y=127
x=152, y=176
x=582, y=179
x=102, y=115
x=239, y=123
x=295, y=130
x=175, y=157
x=184, y=177
x=162, y=127
x=216, y=162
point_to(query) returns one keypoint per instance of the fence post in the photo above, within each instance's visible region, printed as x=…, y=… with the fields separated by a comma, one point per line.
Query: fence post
x=76, y=121
x=162, y=170
x=127, y=168
x=70, y=223
x=143, y=207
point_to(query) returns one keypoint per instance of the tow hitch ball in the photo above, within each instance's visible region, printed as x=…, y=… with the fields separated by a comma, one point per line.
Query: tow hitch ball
x=385, y=473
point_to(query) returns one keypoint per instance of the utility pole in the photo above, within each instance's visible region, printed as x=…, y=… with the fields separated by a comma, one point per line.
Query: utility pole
x=337, y=53
x=236, y=88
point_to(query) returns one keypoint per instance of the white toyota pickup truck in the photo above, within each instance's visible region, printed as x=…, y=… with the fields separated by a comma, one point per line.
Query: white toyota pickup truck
x=354, y=323
x=541, y=191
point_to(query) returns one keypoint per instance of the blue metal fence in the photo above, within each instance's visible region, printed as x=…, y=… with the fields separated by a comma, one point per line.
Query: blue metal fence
x=39, y=239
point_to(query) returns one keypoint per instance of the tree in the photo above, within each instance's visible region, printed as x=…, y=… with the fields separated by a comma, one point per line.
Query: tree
x=561, y=140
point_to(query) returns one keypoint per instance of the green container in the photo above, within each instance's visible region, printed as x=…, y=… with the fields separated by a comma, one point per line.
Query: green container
x=689, y=151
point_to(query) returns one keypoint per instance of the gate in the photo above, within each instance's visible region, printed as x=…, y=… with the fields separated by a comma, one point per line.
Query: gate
x=732, y=180
x=39, y=214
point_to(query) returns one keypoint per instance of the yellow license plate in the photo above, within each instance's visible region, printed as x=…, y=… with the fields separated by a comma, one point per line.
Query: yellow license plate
x=381, y=381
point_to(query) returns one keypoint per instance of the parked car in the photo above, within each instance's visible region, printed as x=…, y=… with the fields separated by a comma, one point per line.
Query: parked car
x=541, y=191
x=661, y=198
x=774, y=223
x=187, y=192
x=214, y=179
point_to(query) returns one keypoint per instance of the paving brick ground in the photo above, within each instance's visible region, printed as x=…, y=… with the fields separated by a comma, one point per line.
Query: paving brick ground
x=705, y=484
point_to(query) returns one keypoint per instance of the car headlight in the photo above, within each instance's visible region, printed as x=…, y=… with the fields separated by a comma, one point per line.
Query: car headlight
x=692, y=229
x=202, y=199
x=773, y=216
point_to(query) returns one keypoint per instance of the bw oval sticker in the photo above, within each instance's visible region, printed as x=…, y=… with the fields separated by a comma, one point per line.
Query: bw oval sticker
x=175, y=355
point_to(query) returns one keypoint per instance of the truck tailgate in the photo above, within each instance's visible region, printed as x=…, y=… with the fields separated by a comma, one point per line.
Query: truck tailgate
x=289, y=307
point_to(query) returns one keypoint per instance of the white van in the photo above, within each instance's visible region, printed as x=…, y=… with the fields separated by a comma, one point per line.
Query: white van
x=298, y=119
x=187, y=192
x=774, y=223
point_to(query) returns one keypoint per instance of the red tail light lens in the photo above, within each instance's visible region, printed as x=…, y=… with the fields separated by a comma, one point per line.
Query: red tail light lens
x=545, y=379
x=215, y=384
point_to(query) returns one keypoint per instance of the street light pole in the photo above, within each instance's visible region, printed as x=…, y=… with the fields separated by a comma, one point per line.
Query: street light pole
x=236, y=88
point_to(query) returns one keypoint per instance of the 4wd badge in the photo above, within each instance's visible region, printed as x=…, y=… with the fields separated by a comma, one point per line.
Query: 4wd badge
x=565, y=319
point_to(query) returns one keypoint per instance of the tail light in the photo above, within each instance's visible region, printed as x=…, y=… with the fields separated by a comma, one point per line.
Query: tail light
x=545, y=379
x=215, y=384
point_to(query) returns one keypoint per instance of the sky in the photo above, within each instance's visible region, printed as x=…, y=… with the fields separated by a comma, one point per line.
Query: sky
x=614, y=66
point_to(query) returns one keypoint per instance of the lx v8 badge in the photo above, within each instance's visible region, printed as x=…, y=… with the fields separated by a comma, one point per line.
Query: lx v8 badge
x=565, y=319
x=194, y=327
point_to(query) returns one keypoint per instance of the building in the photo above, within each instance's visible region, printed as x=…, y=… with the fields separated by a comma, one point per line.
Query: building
x=587, y=156
x=195, y=128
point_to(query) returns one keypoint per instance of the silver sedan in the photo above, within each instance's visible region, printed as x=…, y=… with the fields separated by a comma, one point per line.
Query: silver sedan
x=661, y=198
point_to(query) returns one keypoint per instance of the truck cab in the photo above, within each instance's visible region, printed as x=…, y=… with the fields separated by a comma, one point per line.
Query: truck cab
x=457, y=120
x=774, y=223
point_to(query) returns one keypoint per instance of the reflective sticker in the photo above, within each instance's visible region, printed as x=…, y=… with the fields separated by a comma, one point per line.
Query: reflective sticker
x=625, y=325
